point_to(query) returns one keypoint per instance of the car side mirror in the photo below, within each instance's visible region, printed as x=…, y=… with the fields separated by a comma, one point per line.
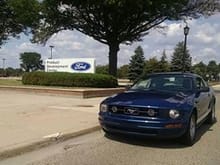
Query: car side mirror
x=204, y=89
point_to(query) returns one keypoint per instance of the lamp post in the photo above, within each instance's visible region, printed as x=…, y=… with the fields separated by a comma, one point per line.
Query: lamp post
x=51, y=51
x=3, y=63
x=186, y=32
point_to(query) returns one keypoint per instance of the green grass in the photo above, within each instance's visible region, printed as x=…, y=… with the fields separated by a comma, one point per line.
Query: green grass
x=10, y=82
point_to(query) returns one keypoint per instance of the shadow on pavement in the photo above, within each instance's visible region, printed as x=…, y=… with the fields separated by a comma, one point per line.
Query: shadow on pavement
x=203, y=129
x=156, y=142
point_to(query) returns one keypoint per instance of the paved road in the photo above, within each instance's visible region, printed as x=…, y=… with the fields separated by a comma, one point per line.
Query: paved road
x=97, y=149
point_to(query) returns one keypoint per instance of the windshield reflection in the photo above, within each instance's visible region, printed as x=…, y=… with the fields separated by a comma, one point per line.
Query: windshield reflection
x=169, y=83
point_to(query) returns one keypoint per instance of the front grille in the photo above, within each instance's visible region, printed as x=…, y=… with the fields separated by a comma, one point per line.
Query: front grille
x=134, y=111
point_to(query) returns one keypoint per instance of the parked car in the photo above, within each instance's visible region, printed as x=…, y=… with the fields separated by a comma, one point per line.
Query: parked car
x=164, y=105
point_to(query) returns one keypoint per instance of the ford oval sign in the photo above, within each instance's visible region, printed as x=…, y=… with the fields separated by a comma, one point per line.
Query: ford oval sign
x=80, y=66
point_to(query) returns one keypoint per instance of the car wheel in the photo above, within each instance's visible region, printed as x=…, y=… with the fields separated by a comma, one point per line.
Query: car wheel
x=106, y=132
x=189, y=137
x=211, y=116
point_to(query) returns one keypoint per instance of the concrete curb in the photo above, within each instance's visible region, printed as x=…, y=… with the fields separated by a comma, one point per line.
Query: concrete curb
x=78, y=92
x=45, y=142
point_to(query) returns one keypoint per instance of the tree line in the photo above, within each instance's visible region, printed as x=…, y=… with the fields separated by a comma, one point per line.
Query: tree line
x=10, y=72
x=30, y=61
x=139, y=66
x=111, y=22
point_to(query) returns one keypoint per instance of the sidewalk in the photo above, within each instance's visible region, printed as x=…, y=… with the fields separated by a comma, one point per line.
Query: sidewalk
x=73, y=92
x=29, y=121
x=216, y=88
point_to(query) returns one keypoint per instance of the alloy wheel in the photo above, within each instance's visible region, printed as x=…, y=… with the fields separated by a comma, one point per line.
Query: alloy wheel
x=192, y=127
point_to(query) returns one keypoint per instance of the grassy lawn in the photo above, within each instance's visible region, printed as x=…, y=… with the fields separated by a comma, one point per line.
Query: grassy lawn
x=10, y=82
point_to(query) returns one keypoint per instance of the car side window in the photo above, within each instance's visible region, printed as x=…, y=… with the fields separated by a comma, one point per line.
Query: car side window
x=200, y=84
x=205, y=83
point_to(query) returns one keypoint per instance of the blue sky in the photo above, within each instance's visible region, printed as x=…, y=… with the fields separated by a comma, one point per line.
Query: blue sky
x=203, y=43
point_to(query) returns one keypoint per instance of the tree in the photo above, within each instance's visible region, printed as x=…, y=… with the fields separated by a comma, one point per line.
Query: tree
x=102, y=69
x=2, y=72
x=163, y=63
x=213, y=70
x=17, y=16
x=177, y=58
x=123, y=71
x=115, y=22
x=200, y=69
x=31, y=61
x=136, y=65
x=10, y=72
x=152, y=65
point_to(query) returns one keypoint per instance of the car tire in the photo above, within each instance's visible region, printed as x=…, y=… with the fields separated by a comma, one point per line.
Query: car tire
x=189, y=137
x=211, y=116
x=106, y=132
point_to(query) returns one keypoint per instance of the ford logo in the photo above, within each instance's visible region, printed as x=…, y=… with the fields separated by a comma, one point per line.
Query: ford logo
x=80, y=66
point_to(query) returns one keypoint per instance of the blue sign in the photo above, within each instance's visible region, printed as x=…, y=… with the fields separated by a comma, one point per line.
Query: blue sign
x=80, y=66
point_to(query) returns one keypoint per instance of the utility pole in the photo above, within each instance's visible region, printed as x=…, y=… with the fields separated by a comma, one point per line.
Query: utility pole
x=3, y=63
x=51, y=51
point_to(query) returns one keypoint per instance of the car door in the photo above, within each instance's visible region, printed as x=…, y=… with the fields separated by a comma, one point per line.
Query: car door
x=202, y=97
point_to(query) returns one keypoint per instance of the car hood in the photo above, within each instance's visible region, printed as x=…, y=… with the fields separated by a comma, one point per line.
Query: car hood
x=152, y=99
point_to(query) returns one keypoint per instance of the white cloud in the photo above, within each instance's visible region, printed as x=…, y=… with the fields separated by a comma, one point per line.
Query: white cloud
x=76, y=46
x=203, y=43
x=26, y=46
x=69, y=45
x=174, y=30
x=209, y=52
x=201, y=36
x=217, y=38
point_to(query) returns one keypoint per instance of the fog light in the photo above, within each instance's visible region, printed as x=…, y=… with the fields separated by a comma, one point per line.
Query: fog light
x=103, y=108
x=174, y=114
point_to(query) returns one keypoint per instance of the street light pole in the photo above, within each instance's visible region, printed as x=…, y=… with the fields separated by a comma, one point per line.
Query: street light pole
x=3, y=63
x=186, y=32
x=51, y=51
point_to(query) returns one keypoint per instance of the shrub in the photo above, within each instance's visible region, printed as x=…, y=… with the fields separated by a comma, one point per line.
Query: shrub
x=69, y=79
x=101, y=69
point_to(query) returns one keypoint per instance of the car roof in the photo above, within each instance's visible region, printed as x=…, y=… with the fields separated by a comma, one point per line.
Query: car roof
x=188, y=74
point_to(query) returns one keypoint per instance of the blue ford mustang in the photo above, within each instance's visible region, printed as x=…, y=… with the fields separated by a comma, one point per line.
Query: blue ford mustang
x=164, y=105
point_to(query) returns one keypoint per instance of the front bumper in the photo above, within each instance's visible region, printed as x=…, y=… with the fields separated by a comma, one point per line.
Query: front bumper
x=142, y=126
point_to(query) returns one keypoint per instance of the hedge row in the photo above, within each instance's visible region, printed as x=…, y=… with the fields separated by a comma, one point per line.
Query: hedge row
x=69, y=79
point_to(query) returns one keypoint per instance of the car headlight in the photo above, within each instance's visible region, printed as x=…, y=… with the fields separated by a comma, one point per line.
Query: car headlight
x=103, y=108
x=174, y=113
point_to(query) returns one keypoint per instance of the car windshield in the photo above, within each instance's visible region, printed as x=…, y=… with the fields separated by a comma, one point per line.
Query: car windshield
x=171, y=83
